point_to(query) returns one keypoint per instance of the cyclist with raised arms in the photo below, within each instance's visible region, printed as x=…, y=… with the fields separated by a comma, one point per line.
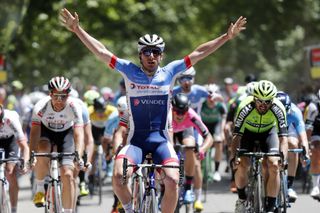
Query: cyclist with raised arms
x=296, y=136
x=148, y=91
x=57, y=120
x=12, y=139
x=262, y=118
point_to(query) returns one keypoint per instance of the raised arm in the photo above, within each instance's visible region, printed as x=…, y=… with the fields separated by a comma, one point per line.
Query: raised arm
x=71, y=22
x=209, y=47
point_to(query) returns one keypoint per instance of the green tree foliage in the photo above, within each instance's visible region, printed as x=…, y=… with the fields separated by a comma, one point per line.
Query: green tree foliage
x=272, y=46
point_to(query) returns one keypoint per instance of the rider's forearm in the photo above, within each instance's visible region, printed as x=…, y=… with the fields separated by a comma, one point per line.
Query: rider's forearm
x=304, y=141
x=207, y=48
x=89, y=146
x=34, y=137
x=235, y=144
x=95, y=46
x=78, y=140
x=284, y=146
x=207, y=144
x=24, y=149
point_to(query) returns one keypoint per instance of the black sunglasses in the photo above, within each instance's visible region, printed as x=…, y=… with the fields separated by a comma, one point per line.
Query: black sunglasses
x=155, y=51
x=179, y=111
x=267, y=102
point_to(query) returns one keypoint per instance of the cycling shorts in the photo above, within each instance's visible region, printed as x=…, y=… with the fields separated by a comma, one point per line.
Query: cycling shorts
x=215, y=130
x=268, y=141
x=162, y=153
x=63, y=140
x=178, y=137
x=10, y=147
x=97, y=133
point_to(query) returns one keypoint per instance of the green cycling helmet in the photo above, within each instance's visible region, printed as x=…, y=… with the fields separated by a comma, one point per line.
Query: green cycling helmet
x=264, y=90
x=89, y=96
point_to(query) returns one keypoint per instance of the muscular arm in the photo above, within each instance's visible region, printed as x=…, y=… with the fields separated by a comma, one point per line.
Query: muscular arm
x=209, y=47
x=235, y=144
x=88, y=141
x=71, y=22
x=34, y=137
x=284, y=146
x=119, y=137
x=78, y=139
x=208, y=141
x=24, y=149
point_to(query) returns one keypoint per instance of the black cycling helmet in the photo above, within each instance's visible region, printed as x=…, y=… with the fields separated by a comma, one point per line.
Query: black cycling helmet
x=99, y=104
x=180, y=102
x=249, y=78
x=285, y=99
x=309, y=98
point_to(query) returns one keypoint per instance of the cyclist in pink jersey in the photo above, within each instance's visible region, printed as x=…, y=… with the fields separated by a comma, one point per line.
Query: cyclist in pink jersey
x=184, y=121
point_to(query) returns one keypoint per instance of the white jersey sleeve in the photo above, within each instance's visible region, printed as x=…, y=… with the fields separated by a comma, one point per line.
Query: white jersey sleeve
x=11, y=126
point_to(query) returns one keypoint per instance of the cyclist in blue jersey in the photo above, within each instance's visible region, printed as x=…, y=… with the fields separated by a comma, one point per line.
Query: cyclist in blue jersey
x=149, y=89
x=296, y=136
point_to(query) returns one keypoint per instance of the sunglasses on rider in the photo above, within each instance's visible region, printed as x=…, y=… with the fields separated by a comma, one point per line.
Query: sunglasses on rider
x=185, y=78
x=155, y=52
x=179, y=111
x=267, y=102
x=57, y=96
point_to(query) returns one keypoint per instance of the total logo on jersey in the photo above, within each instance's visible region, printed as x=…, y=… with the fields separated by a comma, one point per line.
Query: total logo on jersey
x=143, y=89
x=137, y=102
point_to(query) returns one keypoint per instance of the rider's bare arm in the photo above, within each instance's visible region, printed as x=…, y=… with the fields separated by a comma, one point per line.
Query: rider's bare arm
x=34, y=137
x=78, y=139
x=209, y=47
x=71, y=22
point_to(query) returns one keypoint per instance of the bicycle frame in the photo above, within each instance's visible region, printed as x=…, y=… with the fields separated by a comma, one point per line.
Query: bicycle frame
x=255, y=189
x=53, y=201
x=149, y=202
x=4, y=185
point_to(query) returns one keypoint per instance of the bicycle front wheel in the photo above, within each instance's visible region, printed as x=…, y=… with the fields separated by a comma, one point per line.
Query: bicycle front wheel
x=150, y=203
x=258, y=195
x=57, y=203
x=5, y=199
x=100, y=176
x=283, y=196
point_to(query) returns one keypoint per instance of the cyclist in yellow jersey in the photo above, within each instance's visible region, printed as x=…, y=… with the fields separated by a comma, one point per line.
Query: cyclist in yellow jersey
x=262, y=118
x=99, y=113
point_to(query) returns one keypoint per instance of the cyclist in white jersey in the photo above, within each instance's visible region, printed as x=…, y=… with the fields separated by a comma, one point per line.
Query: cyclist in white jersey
x=57, y=120
x=11, y=139
x=148, y=91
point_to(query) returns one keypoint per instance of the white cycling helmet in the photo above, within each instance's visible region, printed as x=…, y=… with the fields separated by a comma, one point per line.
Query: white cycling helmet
x=250, y=87
x=74, y=93
x=60, y=84
x=189, y=72
x=122, y=104
x=212, y=88
x=36, y=96
x=150, y=41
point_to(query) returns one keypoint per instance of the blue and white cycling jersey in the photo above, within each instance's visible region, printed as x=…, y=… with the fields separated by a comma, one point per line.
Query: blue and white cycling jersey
x=111, y=124
x=149, y=98
x=295, y=121
x=197, y=95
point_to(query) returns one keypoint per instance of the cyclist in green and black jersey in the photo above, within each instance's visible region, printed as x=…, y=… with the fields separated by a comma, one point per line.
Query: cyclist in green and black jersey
x=262, y=118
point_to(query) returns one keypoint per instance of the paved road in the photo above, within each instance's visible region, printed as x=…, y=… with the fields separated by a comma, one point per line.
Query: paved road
x=219, y=200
